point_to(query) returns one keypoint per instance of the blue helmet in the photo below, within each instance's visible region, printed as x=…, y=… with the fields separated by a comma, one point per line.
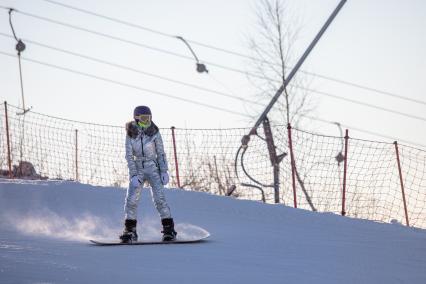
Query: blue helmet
x=141, y=110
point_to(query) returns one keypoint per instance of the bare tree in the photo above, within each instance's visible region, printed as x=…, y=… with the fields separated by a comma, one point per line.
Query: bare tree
x=278, y=30
x=273, y=45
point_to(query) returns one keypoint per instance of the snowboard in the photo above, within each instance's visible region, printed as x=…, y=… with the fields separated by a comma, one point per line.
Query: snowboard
x=149, y=242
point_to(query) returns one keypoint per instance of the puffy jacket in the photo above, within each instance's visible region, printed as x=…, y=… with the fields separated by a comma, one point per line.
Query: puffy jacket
x=144, y=146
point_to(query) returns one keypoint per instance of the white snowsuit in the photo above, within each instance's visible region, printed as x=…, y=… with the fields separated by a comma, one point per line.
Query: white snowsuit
x=146, y=159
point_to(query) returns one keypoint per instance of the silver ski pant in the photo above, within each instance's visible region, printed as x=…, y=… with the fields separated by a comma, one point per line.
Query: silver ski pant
x=150, y=173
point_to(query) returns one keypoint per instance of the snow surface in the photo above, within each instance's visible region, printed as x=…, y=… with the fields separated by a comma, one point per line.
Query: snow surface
x=45, y=227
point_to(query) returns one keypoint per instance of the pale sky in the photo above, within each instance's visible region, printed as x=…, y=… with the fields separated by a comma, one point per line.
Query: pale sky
x=378, y=44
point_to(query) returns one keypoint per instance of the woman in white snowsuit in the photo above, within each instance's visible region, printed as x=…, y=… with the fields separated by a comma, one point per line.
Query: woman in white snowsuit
x=146, y=160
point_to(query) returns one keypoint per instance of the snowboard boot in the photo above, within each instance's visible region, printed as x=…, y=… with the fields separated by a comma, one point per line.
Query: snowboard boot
x=169, y=233
x=129, y=233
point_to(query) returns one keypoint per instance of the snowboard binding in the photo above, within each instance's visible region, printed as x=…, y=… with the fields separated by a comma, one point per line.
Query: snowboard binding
x=129, y=234
x=169, y=233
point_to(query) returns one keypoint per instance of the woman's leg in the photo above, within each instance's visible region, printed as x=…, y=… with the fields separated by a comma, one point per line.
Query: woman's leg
x=157, y=190
x=132, y=201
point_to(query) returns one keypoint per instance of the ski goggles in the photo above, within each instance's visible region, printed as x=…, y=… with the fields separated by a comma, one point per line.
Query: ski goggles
x=145, y=118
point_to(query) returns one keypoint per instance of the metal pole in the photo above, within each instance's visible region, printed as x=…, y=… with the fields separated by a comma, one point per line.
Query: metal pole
x=22, y=84
x=246, y=138
x=76, y=155
x=293, y=165
x=9, y=160
x=276, y=171
x=345, y=170
x=402, y=183
x=175, y=155
x=273, y=157
x=20, y=47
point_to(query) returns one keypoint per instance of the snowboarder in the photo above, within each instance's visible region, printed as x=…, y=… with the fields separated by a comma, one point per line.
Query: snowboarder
x=146, y=160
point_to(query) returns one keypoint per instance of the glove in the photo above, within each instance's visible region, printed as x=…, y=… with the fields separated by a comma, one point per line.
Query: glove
x=134, y=181
x=164, y=178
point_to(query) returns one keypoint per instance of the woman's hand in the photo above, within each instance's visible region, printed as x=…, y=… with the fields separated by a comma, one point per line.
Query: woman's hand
x=135, y=182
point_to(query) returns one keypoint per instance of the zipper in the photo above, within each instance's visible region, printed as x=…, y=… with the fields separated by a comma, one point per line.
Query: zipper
x=143, y=155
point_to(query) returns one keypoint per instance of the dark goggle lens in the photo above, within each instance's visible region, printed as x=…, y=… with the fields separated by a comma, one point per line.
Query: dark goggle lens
x=143, y=117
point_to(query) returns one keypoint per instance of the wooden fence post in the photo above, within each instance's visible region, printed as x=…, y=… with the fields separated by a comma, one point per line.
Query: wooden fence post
x=9, y=159
x=401, y=183
x=293, y=165
x=175, y=155
x=76, y=155
x=345, y=171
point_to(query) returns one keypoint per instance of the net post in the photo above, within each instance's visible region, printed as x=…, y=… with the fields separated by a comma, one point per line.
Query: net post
x=76, y=154
x=401, y=183
x=175, y=156
x=293, y=166
x=9, y=160
x=345, y=171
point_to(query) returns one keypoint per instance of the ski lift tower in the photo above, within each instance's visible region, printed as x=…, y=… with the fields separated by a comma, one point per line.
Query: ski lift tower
x=263, y=117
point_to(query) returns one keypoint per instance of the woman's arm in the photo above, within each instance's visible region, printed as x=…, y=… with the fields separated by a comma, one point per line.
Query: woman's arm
x=161, y=155
x=131, y=164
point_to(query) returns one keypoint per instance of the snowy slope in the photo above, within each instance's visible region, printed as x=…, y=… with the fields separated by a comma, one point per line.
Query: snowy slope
x=45, y=225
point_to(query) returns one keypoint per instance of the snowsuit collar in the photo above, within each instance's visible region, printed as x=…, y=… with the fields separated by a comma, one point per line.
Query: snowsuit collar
x=133, y=130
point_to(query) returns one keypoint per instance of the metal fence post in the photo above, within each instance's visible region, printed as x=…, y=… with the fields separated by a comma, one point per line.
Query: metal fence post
x=345, y=171
x=76, y=155
x=175, y=155
x=9, y=160
x=293, y=165
x=273, y=158
x=401, y=183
